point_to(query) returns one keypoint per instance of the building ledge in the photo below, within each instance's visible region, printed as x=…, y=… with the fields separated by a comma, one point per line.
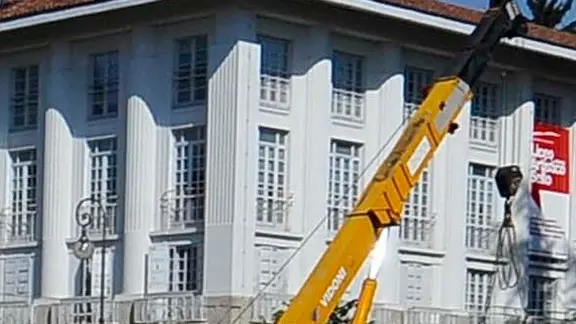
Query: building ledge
x=410, y=253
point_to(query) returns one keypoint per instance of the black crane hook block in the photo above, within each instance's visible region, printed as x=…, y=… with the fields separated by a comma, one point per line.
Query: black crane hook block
x=508, y=180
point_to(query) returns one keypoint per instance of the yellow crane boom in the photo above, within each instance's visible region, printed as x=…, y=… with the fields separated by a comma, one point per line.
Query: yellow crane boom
x=383, y=200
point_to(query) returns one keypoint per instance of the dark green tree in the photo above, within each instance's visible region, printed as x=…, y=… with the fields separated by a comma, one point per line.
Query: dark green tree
x=550, y=13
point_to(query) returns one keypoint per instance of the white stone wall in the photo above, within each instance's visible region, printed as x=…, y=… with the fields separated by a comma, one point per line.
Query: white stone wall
x=233, y=113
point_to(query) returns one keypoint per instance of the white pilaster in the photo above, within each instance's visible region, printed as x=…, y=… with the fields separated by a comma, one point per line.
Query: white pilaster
x=57, y=207
x=524, y=123
x=451, y=198
x=140, y=200
x=231, y=155
x=523, y=210
x=4, y=126
x=516, y=148
x=390, y=106
x=314, y=145
x=517, y=126
x=568, y=294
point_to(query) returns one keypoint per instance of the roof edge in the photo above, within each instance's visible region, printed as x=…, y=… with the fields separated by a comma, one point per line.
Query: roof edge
x=451, y=25
x=380, y=8
x=69, y=13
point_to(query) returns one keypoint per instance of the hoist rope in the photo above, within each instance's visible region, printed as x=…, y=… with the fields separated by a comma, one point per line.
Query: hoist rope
x=508, y=271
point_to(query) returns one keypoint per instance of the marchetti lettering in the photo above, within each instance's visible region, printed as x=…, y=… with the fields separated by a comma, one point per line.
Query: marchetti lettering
x=545, y=164
x=334, y=286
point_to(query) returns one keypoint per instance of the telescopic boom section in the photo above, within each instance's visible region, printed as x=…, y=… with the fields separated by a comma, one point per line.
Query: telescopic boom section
x=382, y=202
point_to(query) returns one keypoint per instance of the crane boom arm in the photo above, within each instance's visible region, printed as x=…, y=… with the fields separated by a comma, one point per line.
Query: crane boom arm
x=382, y=201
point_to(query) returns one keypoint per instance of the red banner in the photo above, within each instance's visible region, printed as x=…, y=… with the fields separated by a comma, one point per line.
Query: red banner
x=550, y=160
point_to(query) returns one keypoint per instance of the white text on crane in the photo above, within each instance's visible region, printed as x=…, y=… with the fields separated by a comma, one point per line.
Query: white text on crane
x=334, y=286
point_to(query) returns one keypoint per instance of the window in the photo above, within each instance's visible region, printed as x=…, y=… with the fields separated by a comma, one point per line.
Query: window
x=480, y=207
x=190, y=85
x=415, y=82
x=84, y=278
x=417, y=221
x=541, y=294
x=17, y=273
x=19, y=223
x=104, y=85
x=274, y=72
x=344, y=170
x=477, y=289
x=185, y=268
x=269, y=260
x=24, y=98
x=483, y=114
x=347, y=86
x=416, y=226
x=88, y=274
x=103, y=179
x=187, y=206
x=87, y=284
x=176, y=267
x=416, y=284
x=271, y=195
x=83, y=312
x=547, y=109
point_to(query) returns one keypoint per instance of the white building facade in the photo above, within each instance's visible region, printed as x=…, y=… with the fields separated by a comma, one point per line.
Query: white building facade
x=218, y=138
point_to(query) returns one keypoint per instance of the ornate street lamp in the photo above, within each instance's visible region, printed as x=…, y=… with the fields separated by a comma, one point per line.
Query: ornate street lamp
x=84, y=248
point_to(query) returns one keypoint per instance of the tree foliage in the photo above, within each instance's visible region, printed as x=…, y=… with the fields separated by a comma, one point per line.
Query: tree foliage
x=550, y=13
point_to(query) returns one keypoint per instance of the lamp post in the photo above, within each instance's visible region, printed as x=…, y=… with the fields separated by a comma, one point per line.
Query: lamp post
x=84, y=248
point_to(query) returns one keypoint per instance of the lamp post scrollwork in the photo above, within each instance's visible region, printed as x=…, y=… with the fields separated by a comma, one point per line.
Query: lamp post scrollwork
x=175, y=207
x=84, y=248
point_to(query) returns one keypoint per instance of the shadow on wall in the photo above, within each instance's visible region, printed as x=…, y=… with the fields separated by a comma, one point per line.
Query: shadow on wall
x=542, y=298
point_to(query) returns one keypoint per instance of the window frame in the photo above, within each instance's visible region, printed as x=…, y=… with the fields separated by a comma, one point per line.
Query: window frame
x=174, y=198
x=281, y=145
x=345, y=96
x=418, y=228
x=486, y=121
x=197, y=274
x=542, y=95
x=354, y=183
x=161, y=274
x=193, y=74
x=486, y=279
x=29, y=215
x=36, y=100
x=547, y=306
x=486, y=238
x=109, y=202
x=112, y=85
x=279, y=81
x=413, y=97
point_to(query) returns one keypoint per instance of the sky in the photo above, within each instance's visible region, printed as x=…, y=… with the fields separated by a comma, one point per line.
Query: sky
x=483, y=4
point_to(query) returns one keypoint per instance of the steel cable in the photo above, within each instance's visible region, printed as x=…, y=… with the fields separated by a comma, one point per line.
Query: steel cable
x=508, y=272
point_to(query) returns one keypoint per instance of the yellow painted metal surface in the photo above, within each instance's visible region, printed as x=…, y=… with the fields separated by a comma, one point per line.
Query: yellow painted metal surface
x=365, y=301
x=380, y=205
